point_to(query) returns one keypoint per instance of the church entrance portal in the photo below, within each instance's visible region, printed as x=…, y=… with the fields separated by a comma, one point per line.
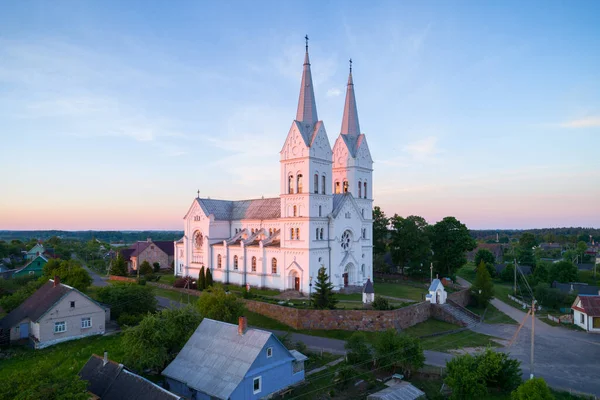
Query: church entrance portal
x=297, y=283
x=294, y=280
x=345, y=275
x=349, y=275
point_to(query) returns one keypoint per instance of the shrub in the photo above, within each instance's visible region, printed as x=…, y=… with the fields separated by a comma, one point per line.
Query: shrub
x=381, y=303
x=220, y=306
x=142, y=281
x=185, y=282
x=146, y=268
x=532, y=389
x=128, y=298
x=126, y=319
x=301, y=347
x=345, y=376
x=357, y=348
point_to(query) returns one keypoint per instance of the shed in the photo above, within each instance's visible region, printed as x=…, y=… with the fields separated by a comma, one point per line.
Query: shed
x=437, y=293
x=368, y=293
x=398, y=391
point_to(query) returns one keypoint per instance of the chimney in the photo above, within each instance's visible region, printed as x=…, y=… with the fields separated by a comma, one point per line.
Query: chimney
x=105, y=361
x=56, y=281
x=242, y=325
x=148, y=240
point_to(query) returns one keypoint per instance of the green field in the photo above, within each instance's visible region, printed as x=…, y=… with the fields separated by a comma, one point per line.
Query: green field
x=400, y=291
x=493, y=315
x=447, y=342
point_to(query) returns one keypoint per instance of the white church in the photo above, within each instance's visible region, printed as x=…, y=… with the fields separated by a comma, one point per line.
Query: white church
x=322, y=217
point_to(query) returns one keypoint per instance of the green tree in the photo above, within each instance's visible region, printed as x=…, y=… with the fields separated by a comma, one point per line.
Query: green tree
x=380, y=231
x=9, y=303
x=563, y=271
x=450, y=240
x=393, y=350
x=540, y=274
x=128, y=298
x=411, y=358
x=508, y=273
x=581, y=249
x=323, y=297
x=220, y=306
x=159, y=337
x=483, y=288
x=486, y=256
x=43, y=381
x=70, y=272
x=209, y=278
x=409, y=244
x=357, y=348
x=201, y=279
x=527, y=241
x=119, y=266
x=146, y=268
x=533, y=389
x=464, y=378
x=79, y=278
x=380, y=303
x=498, y=370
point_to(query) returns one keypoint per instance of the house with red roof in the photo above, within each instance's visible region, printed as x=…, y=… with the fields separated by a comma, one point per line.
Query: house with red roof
x=586, y=313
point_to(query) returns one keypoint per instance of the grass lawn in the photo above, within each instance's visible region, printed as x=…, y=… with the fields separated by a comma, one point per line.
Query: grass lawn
x=493, y=315
x=351, y=297
x=254, y=290
x=68, y=357
x=400, y=291
x=467, y=272
x=168, y=279
x=174, y=295
x=451, y=341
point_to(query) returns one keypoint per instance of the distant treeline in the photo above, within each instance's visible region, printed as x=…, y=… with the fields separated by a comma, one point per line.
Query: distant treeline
x=103, y=236
x=549, y=235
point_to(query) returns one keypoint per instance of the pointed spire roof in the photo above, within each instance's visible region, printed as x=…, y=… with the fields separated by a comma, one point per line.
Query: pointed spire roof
x=350, y=124
x=307, y=107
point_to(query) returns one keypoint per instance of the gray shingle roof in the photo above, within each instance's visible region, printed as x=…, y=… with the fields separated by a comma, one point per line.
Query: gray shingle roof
x=368, y=288
x=216, y=358
x=228, y=210
x=401, y=391
x=434, y=285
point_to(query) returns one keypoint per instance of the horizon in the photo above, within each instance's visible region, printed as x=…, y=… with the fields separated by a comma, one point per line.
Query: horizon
x=114, y=114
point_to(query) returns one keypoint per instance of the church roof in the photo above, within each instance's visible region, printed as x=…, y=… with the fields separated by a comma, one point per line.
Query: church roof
x=307, y=107
x=368, y=288
x=338, y=202
x=228, y=210
x=435, y=284
x=350, y=125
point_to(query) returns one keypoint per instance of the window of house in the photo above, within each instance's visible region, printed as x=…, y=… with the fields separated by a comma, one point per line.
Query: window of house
x=72, y=304
x=86, y=322
x=297, y=233
x=235, y=262
x=299, y=183
x=319, y=211
x=337, y=188
x=219, y=261
x=295, y=211
x=316, y=184
x=269, y=352
x=365, y=190
x=60, y=327
x=323, y=184
x=273, y=265
x=31, y=272
x=297, y=366
x=257, y=384
x=292, y=234
x=582, y=318
x=151, y=247
x=253, y=264
x=290, y=184
x=345, y=186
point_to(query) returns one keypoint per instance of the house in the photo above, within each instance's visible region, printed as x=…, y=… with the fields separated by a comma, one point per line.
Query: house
x=161, y=252
x=35, y=251
x=33, y=267
x=586, y=312
x=524, y=269
x=437, y=293
x=54, y=313
x=576, y=287
x=398, y=391
x=227, y=361
x=109, y=380
x=497, y=249
x=368, y=294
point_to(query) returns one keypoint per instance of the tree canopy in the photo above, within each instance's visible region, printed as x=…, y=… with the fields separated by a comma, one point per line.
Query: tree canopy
x=128, y=298
x=483, y=288
x=218, y=305
x=380, y=231
x=70, y=273
x=323, y=297
x=450, y=240
x=533, y=389
x=409, y=245
x=563, y=271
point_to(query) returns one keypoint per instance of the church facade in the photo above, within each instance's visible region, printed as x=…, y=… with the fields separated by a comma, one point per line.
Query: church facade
x=322, y=217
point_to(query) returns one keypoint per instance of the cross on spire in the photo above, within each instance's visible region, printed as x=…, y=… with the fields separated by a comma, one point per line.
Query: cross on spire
x=350, y=65
x=198, y=193
x=306, y=39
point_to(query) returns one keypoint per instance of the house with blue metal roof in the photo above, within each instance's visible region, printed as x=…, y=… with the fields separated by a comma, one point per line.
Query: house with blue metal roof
x=228, y=361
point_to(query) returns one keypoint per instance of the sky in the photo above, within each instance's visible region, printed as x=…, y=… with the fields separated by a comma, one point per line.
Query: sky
x=113, y=114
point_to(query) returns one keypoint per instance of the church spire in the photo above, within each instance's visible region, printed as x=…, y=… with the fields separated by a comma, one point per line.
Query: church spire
x=350, y=125
x=307, y=107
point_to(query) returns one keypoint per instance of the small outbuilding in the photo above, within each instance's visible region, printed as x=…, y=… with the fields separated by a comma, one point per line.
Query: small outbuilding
x=437, y=293
x=368, y=293
x=399, y=391
x=586, y=313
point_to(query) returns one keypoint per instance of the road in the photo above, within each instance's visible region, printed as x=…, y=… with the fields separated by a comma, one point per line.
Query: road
x=564, y=358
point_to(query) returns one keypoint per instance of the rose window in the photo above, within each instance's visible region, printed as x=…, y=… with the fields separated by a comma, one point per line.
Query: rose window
x=346, y=240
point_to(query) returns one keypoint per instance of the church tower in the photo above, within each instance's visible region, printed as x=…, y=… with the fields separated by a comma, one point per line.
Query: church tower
x=352, y=162
x=305, y=164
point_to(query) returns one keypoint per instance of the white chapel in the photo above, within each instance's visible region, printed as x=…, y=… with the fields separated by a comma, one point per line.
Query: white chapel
x=322, y=217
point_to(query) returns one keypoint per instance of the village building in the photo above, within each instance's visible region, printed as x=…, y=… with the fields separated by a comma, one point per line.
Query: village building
x=34, y=267
x=108, y=380
x=437, y=294
x=322, y=217
x=55, y=313
x=586, y=313
x=159, y=251
x=35, y=251
x=231, y=362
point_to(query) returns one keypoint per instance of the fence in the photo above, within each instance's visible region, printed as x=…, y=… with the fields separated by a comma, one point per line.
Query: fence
x=522, y=303
x=563, y=319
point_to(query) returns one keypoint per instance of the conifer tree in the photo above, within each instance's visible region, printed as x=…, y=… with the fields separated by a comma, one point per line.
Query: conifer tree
x=483, y=289
x=201, y=280
x=118, y=267
x=209, y=279
x=324, y=297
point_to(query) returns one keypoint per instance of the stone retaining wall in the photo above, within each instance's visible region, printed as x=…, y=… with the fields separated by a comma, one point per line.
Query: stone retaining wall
x=461, y=298
x=438, y=312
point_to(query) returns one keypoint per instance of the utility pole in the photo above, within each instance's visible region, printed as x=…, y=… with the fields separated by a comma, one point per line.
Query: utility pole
x=515, y=284
x=532, y=336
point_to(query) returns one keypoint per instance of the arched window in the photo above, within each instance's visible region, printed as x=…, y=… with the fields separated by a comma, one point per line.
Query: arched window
x=291, y=184
x=321, y=236
x=295, y=211
x=297, y=233
x=270, y=231
x=362, y=212
x=253, y=264
x=365, y=191
x=292, y=233
x=345, y=186
x=319, y=211
x=362, y=269
x=273, y=265
x=323, y=184
x=337, y=188
x=317, y=231
x=219, y=259
x=299, y=183
x=316, y=184
x=235, y=262
x=359, y=189
x=252, y=231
